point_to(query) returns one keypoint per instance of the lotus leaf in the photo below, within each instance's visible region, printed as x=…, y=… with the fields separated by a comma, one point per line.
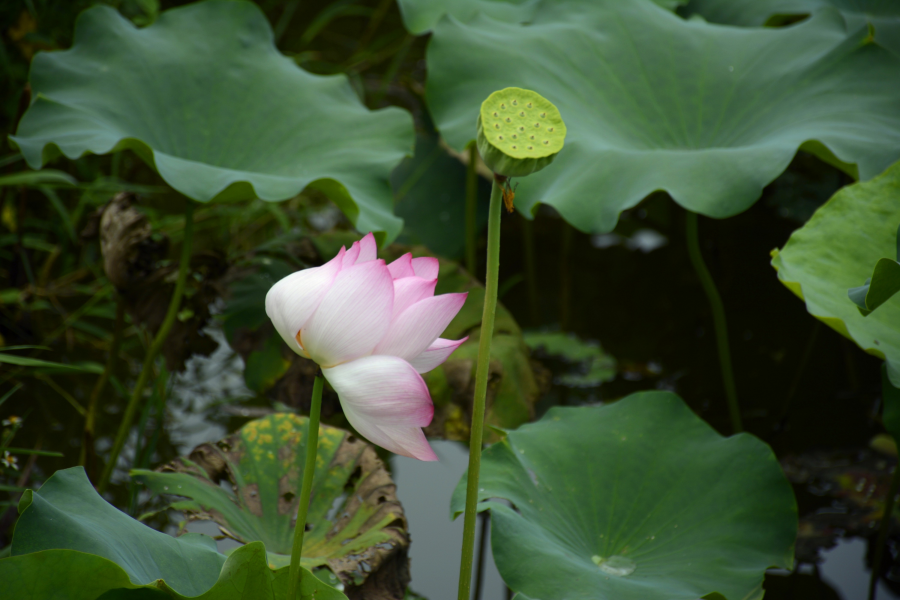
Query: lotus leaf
x=430, y=195
x=882, y=15
x=421, y=16
x=204, y=97
x=70, y=543
x=596, y=366
x=835, y=250
x=356, y=523
x=711, y=127
x=639, y=499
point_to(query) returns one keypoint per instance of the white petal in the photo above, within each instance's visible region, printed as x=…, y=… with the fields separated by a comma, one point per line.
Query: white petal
x=409, y=290
x=426, y=267
x=386, y=401
x=414, y=329
x=435, y=354
x=352, y=317
x=292, y=301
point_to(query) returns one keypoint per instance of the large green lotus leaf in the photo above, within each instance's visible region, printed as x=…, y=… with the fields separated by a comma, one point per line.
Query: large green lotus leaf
x=66, y=513
x=355, y=521
x=883, y=15
x=640, y=500
x=709, y=114
x=73, y=575
x=835, y=250
x=205, y=98
x=430, y=196
x=420, y=16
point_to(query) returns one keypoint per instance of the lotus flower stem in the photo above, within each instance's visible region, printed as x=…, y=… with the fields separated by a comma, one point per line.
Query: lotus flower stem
x=155, y=347
x=718, y=312
x=472, y=211
x=481, y=379
x=309, y=470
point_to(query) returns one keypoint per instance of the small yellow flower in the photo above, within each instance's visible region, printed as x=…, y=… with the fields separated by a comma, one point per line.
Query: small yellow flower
x=9, y=461
x=12, y=421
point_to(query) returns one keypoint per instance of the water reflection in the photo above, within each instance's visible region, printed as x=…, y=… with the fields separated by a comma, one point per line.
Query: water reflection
x=424, y=490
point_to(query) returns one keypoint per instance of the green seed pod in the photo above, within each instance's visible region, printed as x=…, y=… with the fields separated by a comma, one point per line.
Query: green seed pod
x=519, y=132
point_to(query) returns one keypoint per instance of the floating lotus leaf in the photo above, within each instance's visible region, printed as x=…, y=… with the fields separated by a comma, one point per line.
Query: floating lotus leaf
x=595, y=365
x=356, y=523
x=205, y=98
x=71, y=543
x=709, y=114
x=835, y=250
x=637, y=500
x=882, y=15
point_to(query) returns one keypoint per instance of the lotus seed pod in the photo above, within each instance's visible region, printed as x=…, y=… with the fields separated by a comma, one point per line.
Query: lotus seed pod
x=519, y=132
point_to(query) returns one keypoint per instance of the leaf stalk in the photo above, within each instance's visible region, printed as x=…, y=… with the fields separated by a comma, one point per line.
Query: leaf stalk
x=719, y=323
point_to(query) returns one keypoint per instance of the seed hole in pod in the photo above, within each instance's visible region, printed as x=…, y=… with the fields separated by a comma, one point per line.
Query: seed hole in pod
x=531, y=147
x=532, y=137
x=496, y=125
x=543, y=115
x=521, y=128
x=522, y=113
x=514, y=147
x=496, y=114
x=508, y=120
x=515, y=137
x=499, y=137
x=550, y=129
x=537, y=124
x=503, y=106
x=528, y=105
x=546, y=142
x=515, y=102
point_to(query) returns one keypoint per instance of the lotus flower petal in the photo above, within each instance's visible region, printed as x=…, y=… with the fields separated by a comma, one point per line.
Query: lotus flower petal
x=351, y=255
x=368, y=248
x=352, y=317
x=385, y=400
x=402, y=267
x=426, y=267
x=414, y=329
x=409, y=290
x=293, y=300
x=435, y=354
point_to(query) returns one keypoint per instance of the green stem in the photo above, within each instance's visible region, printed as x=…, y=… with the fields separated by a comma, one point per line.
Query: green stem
x=883, y=531
x=154, y=350
x=718, y=312
x=309, y=469
x=472, y=211
x=481, y=379
x=88, y=458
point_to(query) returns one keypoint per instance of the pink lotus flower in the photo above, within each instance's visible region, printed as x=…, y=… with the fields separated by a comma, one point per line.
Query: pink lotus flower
x=372, y=328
